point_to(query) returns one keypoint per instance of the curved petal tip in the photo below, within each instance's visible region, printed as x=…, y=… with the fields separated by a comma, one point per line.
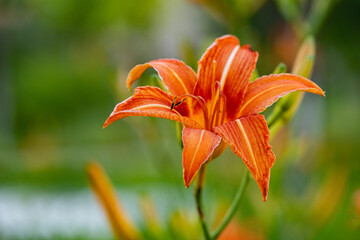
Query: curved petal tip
x=199, y=145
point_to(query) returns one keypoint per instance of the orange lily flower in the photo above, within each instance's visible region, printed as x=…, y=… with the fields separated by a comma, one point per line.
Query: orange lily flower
x=218, y=106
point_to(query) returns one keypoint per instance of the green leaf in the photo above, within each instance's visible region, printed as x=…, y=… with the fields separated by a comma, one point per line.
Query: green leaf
x=287, y=106
x=280, y=68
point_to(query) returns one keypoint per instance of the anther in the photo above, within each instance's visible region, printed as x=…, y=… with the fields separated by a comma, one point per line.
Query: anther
x=173, y=104
x=177, y=104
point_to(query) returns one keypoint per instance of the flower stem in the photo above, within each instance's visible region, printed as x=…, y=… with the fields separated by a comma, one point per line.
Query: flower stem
x=198, y=191
x=233, y=207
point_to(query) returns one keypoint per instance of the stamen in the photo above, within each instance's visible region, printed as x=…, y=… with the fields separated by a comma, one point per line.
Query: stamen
x=213, y=78
x=218, y=113
x=188, y=96
x=222, y=110
x=195, y=101
x=205, y=112
x=173, y=104
x=214, y=95
x=215, y=103
x=202, y=103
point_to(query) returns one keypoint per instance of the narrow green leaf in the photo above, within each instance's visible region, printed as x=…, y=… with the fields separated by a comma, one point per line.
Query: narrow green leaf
x=254, y=75
x=287, y=106
x=280, y=68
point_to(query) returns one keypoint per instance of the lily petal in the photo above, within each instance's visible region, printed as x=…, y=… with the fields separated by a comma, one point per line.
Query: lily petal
x=152, y=102
x=249, y=139
x=199, y=145
x=177, y=77
x=230, y=65
x=266, y=90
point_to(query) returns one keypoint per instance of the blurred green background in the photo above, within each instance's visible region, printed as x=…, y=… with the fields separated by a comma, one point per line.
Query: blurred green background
x=63, y=66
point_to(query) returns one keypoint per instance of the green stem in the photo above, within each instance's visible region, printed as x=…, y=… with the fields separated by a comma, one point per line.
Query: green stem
x=233, y=207
x=198, y=191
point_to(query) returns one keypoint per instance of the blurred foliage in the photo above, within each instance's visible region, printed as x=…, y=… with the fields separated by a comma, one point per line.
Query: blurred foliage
x=63, y=64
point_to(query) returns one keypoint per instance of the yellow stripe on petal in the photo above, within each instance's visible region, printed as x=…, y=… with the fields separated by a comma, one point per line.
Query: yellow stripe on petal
x=152, y=102
x=199, y=145
x=266, y=90
x=248, y=138
x=177, y=77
